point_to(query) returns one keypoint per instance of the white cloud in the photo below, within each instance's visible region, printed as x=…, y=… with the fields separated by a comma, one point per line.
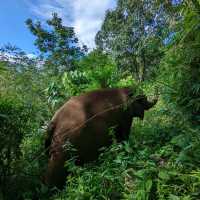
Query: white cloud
x=86, y=16
x=31, y=55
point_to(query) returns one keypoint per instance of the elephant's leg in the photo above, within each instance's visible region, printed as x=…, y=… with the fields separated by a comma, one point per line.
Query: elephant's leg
x=123, y=130
x=56, y=173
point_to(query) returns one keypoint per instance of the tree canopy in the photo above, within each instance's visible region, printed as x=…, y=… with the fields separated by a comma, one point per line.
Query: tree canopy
x=57, y=43
x=134, y=32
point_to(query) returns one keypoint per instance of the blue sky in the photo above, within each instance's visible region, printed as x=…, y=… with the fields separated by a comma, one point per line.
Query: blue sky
x=85, y=16
x=13, y=14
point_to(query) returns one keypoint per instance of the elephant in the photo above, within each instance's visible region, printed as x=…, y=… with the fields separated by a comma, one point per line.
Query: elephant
x=84, y=122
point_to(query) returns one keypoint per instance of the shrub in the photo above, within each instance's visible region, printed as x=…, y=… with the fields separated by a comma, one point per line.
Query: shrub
x=18, y=122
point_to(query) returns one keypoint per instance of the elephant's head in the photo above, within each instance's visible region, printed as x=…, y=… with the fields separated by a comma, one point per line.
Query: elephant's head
x=140, y=104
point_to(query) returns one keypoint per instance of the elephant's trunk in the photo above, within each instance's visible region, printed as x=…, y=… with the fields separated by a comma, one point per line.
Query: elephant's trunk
x=151, y=104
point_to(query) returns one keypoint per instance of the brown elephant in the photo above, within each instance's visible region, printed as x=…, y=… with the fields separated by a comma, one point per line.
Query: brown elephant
x=84, y=122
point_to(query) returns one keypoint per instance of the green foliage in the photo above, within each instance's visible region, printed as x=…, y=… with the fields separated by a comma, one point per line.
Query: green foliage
x=22, y=112
x=75, y=82
x=17, y=122
x=57, y=43
x=21, y=75
x=181, y=66
x=101, y=69
x=96, y=70
x=161, y=159
x=134, y=32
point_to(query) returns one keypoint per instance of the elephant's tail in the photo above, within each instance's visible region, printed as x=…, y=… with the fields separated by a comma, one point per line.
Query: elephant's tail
x=49, y=135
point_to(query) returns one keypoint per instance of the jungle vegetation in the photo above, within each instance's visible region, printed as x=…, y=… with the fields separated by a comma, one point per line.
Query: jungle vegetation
x=151, y=44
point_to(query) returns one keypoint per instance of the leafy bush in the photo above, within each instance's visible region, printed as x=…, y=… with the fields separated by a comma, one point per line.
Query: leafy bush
x=180, y=68
x=18, y=121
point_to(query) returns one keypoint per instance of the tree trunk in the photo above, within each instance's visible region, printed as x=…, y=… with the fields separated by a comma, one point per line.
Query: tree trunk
x=143, y=66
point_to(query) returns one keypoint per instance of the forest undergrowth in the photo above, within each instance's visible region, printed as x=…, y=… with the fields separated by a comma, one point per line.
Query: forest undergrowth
x=161, y=159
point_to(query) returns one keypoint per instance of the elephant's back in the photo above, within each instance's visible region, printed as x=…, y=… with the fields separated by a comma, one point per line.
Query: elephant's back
x=96, y=102
x=68, y=120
